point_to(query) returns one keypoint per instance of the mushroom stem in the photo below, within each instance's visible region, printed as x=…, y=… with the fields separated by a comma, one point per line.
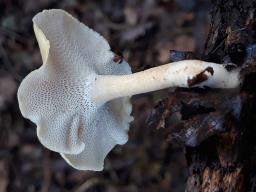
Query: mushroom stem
x=187, y=73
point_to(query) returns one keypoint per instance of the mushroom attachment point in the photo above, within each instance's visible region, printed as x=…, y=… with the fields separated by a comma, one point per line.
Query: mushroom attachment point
x=79, y=97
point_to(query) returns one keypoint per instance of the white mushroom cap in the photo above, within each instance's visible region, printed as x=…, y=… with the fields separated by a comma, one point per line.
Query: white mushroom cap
x=79, y=97
x=57, y=96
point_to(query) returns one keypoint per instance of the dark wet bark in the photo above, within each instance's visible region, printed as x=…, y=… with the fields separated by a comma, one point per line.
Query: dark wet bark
x=226, y=161
x=218, y=127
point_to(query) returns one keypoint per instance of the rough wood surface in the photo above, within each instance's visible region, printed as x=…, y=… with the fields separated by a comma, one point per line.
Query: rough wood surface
x=218, y=126
x=225, y=162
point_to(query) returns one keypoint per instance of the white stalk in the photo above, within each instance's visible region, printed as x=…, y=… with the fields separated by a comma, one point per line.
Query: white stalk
x=177, y=74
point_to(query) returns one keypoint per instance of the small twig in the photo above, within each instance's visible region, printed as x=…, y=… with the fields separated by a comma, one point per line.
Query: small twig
x=11, y=33
x=88, y=184
x=8, y=65
x=46, y=172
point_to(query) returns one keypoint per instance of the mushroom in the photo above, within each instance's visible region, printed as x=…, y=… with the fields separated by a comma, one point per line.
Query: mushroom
x=79, y=97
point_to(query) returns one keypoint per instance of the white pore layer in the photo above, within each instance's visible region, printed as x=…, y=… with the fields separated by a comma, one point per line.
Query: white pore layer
x=57, y=96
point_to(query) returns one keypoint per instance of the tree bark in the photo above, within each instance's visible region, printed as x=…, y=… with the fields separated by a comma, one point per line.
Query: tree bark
x=218, y=127
x=226, y=161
